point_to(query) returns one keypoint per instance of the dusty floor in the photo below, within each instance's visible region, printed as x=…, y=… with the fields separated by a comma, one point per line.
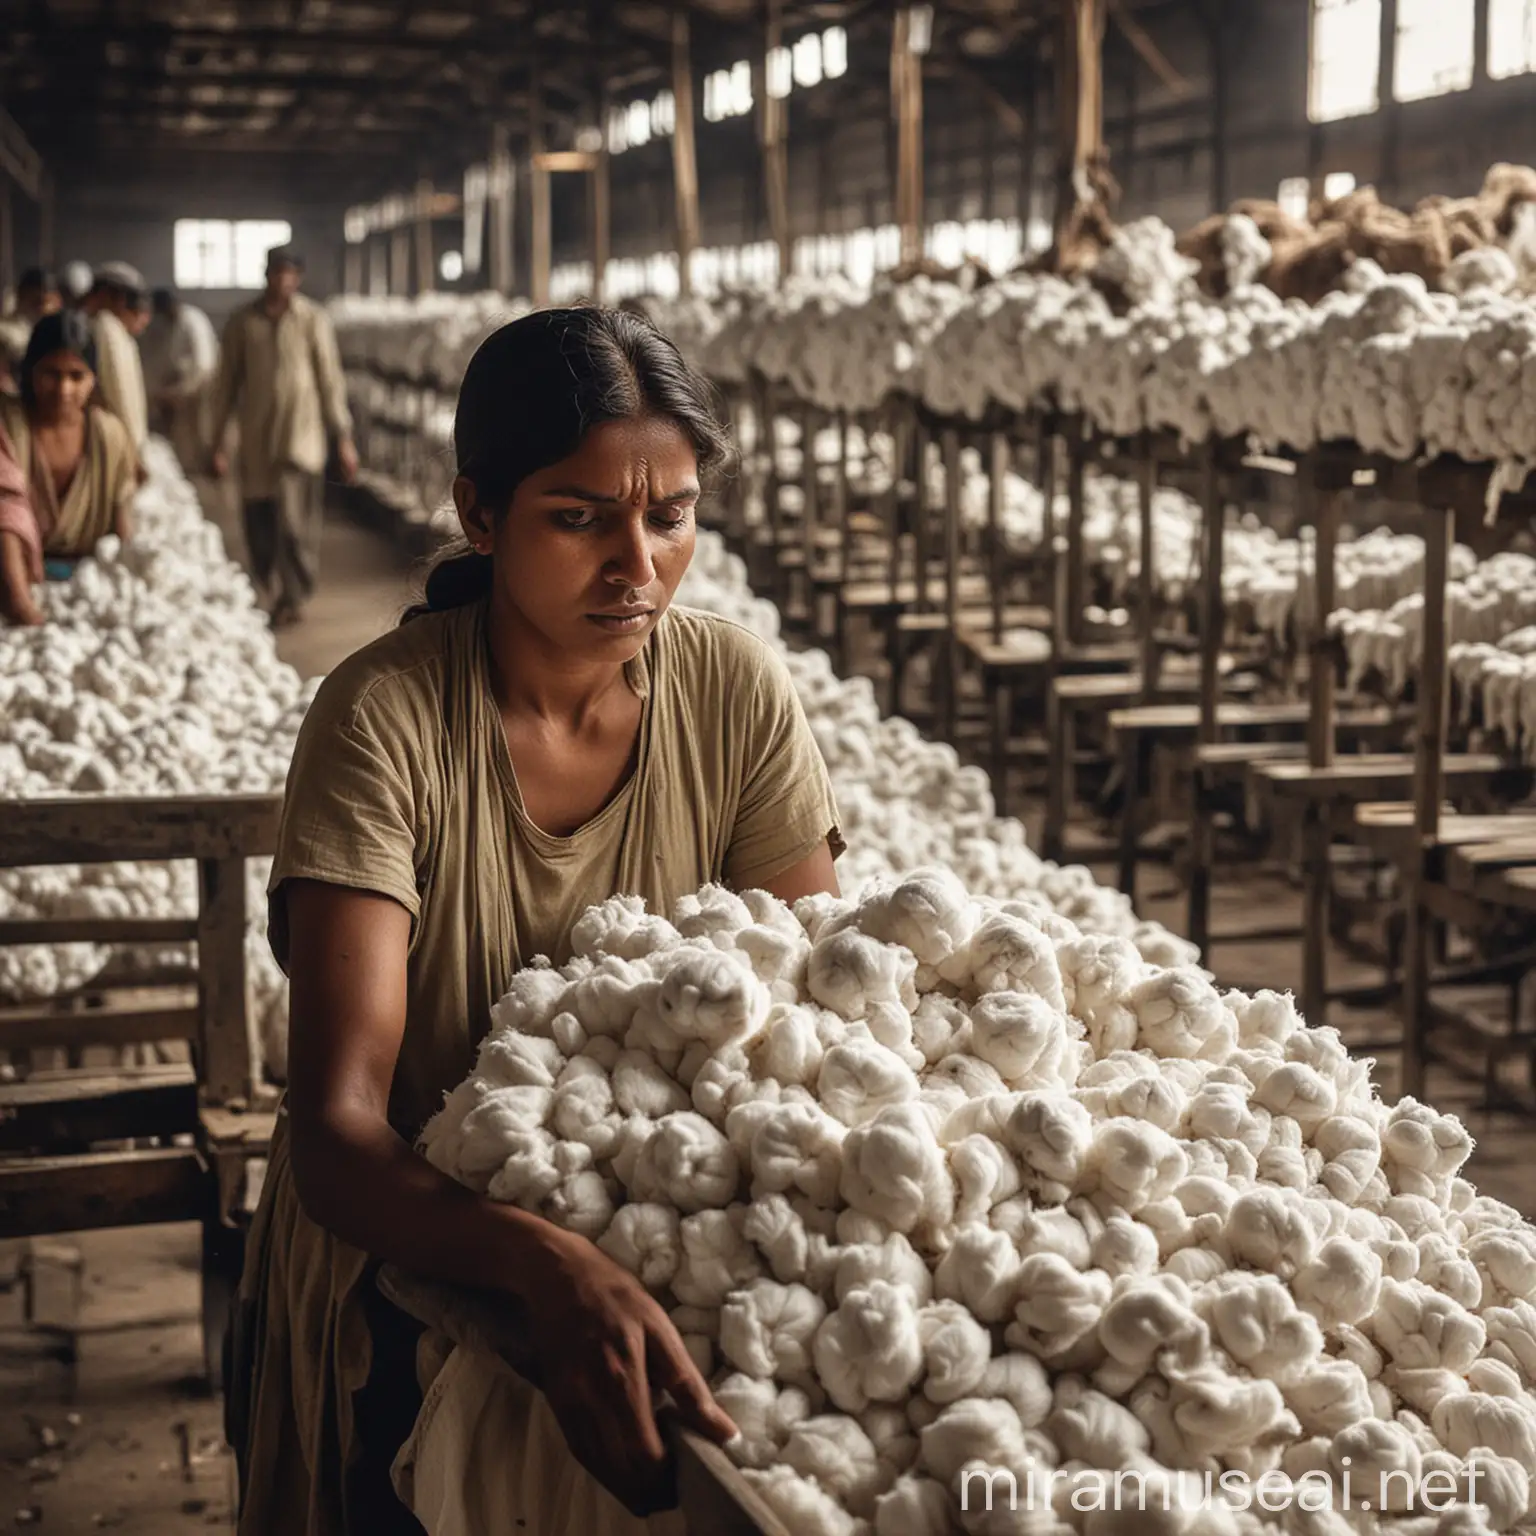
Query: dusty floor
x=127, y=1438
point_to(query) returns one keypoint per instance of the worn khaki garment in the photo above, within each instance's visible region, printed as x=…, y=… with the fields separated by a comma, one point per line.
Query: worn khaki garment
x=285, y=377
x=402, y=784
x=283, y=536
x=120, y=377
x=104, y=482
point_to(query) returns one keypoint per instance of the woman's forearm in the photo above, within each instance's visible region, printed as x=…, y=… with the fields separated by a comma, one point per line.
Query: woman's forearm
x=357, y=1178
x=16, y=602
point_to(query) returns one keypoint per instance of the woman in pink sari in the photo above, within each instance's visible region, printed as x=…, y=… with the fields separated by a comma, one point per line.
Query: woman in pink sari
x=67, y=468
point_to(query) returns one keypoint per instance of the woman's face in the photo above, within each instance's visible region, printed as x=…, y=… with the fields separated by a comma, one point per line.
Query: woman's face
x=62, y=383
x=592, y=549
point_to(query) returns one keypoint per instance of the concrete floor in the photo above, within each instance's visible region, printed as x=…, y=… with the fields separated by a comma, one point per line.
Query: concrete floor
x=127, y=1438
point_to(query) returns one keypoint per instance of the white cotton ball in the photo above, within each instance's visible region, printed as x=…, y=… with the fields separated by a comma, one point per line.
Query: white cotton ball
x=850, y=973
x=1422, y=1148
x=1052, y=1135
x=981, y=1270
x=789, y=1047
x=1443, y=1268
x=894, y=1170
x=956, y=1351
x=1271, y=1229
x=532, y=999
x=583, y=1110
x=985, y=1175
x=724, y=1083
x=1329, y=1396
x=1374, y=1450
x=892, y=1260
x=915, y=1506
x=519, y=1061
x=1421, y=1329
x=686, y=1162
x=1098, y=972
x=1092, y=1428
x=1494, y=1377
x=1124, y=1247
x=1133, y=1164
x=857, y=1081
x=802, y=1505
x=1254, y=1318
x=1506, y=1261
x=1506, y=1426
x=706, y=996
x=1057, y=1307
x=978, y=1429
x=763, y=1415
x=833, y=1450
x=1352, y=1148
x=869, y=1349
x=1500, y=1483
x=714, y=913
x=640, y=1087
x=645, y=1240
x=716, y=1258
x=940, y=1026
x=1146, y=1320
x=795, y=1148
x=930, y=913
x=766, y=1330
x=1008, y=954
x=607, y=999
x=1179, y=1013
x=621, y=926
x=1061, y=1230
x=1022, y=1036
x=1298, y=1091
x=780, y=1235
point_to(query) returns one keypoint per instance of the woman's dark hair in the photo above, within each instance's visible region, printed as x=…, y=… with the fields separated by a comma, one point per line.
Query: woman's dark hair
x=66, y=331
x=531, y=393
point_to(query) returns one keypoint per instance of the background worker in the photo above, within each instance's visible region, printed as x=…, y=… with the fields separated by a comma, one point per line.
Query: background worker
x=181, y=362
x=282, y=371
x=115, y=305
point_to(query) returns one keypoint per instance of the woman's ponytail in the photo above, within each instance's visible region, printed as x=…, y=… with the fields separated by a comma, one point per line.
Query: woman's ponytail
x=458, y=577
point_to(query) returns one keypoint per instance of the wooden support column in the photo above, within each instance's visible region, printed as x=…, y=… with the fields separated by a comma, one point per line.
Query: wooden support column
x=907, y=109
x=352, y=277
x=1429, y=770
x=1213, y=610
x=226, y=1033
x=685, y=163
x=499, y=206
x=997, y=553
x=1074, y=586
x=949, y=717
x=1147, y=592
x=773, y=137
x=540, y=233
x=1029, y=148
x=400, y=262
x=426, y=256
x=1321, y=499
x=1216, y=43
x=1386, y=89
x=1480, y=34
x=1079, y=103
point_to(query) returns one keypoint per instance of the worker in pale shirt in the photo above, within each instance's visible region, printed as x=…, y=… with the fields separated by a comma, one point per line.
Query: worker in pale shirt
x=282, y=370
x=117, y=310
x=180, y=350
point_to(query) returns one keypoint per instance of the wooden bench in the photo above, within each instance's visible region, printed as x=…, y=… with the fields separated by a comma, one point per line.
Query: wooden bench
x=209, y=1124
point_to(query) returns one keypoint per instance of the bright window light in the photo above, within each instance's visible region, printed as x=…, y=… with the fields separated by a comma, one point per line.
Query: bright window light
x=451, y=266
x=1434, y=48
x=741, y=88
x=834, y=53
x=1337, y=184
x=1295, y=196
x=920, y=29
x=1346, y=59
x=639, y=123
x=589, y=140
x=808, y=61
x=225, y=253
x=780, y=76
x=664, y=115
x=717, y=95
x=1511, y=38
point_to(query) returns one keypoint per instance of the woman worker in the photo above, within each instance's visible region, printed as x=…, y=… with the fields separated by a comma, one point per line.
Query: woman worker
x=68, y=471
x=544, y=732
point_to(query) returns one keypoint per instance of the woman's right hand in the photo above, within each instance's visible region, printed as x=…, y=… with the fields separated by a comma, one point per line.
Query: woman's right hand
x=604, y=1346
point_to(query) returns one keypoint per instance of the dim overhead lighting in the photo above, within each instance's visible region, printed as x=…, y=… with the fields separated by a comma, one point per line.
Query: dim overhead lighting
x=451, y=266
x=639, y=122
x=834, y=53
x=618, y=130
x=1338, y=184
x=589, y=140
x=664, y=115
x=919, y=28
x=741, y=88
x=1295, y=196
x=779, y=76
x=807, y=54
